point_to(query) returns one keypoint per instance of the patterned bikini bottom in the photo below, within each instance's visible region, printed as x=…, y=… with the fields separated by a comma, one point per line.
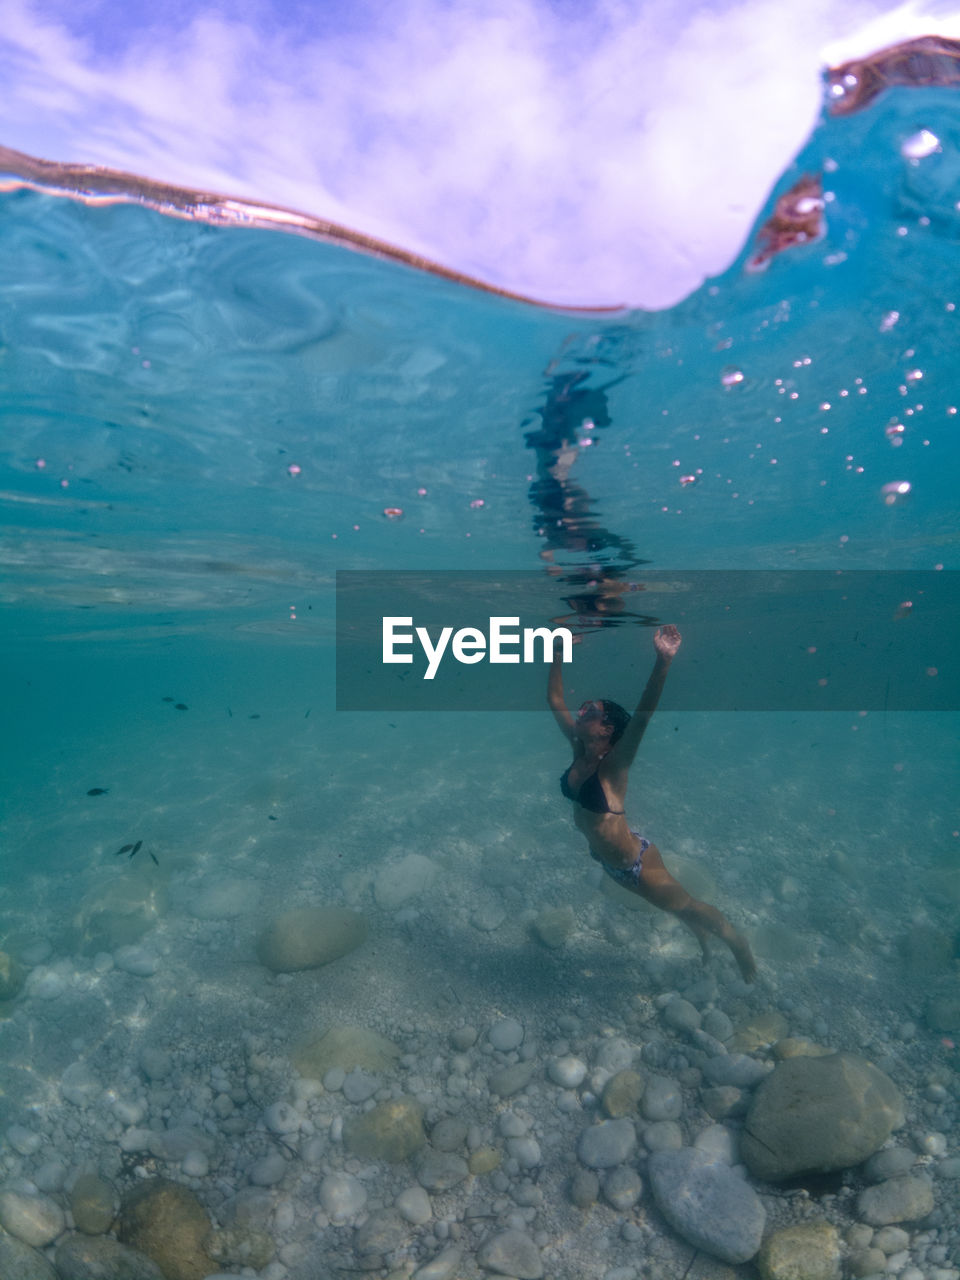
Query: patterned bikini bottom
x=628, y=877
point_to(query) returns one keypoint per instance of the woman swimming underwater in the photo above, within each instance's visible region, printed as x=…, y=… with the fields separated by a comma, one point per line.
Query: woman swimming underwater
x=605, y=740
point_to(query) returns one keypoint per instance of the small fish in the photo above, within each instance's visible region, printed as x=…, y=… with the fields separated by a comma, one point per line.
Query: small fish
x=98, y=791
x=307, y=712
x=229, y=713
x=135, y=849
x=181, y=706
x=255, y=716
x=154, y=857
x=126, y=849
x=166, y=699
x=271, y=817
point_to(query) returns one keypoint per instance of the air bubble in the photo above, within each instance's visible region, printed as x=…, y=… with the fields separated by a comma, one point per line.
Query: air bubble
x=895, y=490
x=731, y=377
x=919, y=145
x=393, y=513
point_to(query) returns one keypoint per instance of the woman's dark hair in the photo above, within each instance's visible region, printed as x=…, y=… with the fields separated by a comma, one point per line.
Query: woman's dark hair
x=615, y=716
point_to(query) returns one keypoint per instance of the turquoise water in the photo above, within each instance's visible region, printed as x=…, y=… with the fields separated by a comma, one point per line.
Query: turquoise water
x=201, y=425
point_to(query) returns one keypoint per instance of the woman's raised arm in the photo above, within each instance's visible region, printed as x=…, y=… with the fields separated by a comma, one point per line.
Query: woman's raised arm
x=555, y=693
x=666, y=641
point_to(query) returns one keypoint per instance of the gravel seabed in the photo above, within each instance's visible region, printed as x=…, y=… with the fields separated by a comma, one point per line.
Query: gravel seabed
x=173, y=1058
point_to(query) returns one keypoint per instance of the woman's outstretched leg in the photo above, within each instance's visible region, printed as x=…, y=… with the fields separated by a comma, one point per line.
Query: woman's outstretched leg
x=659, y=888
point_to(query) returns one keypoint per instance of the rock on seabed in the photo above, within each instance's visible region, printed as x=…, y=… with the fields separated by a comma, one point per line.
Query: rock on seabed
x=399, y=882
x=511, y=1253
x=902, y=1199
x=347, y=1047
x=609, y=1143
x=808, y=1251
x=36, y=1220
x=309, y=937
x=812, y=1115
x=92, y=1203
x=99, y=1258
x=707, y=1203
x=392, y=1131
x=119, y=912
x=167, y=1222
x=19, y=1260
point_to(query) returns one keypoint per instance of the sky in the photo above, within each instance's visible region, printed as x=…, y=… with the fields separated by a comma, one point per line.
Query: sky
x=601, y=152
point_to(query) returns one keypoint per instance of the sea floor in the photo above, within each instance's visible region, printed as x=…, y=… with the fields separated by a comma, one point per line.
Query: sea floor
x=150, y=1041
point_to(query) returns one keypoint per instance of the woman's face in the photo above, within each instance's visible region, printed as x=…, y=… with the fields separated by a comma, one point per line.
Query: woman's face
x=590, y=721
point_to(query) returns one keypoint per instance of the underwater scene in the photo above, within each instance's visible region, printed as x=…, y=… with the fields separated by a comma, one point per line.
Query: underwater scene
x=294, y=991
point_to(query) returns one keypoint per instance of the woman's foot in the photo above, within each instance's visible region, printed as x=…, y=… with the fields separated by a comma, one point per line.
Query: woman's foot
x=744, y=957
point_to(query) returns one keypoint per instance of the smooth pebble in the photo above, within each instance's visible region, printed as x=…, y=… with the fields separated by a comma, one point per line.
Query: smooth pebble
x=505, y=1035
x=342, y=1196
x=568, y=1071
x=36, y=1220
x=606, y=1144
x=662, y=1099
x=414, y=1206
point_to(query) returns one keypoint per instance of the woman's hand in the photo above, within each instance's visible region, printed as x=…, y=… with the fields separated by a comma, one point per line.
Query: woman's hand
x=558, y=641
x=667, y=641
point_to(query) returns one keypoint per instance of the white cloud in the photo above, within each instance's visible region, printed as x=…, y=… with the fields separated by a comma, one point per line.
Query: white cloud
x=618, y=156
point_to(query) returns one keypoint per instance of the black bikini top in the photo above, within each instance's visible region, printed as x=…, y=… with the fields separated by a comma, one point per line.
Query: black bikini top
x=591, y=794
